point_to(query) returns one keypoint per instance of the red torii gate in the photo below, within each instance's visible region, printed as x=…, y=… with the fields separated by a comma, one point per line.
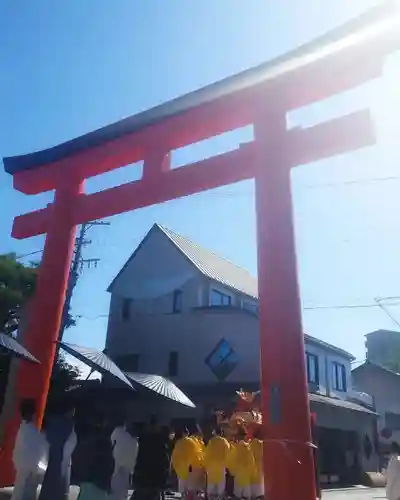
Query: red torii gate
x=262, y=96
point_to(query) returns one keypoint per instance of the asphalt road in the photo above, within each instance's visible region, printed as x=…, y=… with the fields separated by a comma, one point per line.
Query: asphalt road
x=348, y=494
x=355, y=494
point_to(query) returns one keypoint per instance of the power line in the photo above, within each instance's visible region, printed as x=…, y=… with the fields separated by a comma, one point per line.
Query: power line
x=92, y=318
x=356, y=182
x=309, y=308
x=345, y=306
x=28, y=254
x=388, y=313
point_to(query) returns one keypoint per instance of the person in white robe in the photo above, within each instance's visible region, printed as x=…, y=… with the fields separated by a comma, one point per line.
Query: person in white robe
x=61, y=437
x=30, y=448
x=393, y=474
x=125, y=451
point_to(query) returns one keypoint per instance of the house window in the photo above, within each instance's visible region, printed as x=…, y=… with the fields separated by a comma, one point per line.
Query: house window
x=392, y=421
x=220, y=299
x=173, y=364
x=312, y=368
x=126, y=309
x=339, y=377
x=250, y=306
x=128, y=362
x=177, y=301
x=222, y=360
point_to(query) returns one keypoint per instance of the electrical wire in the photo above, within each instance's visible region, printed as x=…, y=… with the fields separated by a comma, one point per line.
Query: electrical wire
x=356, y=182
x=346, y=306
x=28, y=254
x=389, y=314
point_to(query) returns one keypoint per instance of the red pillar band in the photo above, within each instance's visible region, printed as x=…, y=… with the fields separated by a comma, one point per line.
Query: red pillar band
x=284, y=389
x=45, y=316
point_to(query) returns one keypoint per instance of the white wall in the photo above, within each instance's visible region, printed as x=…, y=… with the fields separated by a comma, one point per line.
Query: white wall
x=153, y=331
x=326, y=359
x=194, y=334
x=157, y=269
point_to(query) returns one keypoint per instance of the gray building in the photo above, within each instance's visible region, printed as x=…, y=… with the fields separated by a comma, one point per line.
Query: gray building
x=182, y=311
x=379, y=376
x=383, y=348
x=384, y=386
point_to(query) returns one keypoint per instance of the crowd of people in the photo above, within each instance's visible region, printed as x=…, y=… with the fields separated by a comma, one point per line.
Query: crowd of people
x=219, y=467
x=106, y=462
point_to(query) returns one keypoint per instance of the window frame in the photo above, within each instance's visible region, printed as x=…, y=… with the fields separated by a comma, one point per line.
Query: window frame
x=222, y=295
x=173, y=364
x=123, y=362
x=311, y=356
x=250, y=306
x=177, y=301
x=225, y=359
x=392, y=421
x=126, y=309
x=339, y=374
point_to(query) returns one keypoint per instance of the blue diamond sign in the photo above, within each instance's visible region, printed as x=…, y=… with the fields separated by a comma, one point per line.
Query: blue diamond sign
x=222, y=360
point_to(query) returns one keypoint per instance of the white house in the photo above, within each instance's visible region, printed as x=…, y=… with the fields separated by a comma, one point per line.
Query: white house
x=181, y=311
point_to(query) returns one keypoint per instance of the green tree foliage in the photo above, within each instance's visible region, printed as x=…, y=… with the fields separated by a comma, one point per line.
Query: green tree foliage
x=63, y=377
x=17, y=286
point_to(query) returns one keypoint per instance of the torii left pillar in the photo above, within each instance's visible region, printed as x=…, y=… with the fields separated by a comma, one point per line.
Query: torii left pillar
x=46, y=312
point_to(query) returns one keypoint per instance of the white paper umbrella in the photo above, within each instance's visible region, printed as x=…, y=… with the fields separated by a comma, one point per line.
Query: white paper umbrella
x=162, y=386
x=11, y=346
x=96, y=360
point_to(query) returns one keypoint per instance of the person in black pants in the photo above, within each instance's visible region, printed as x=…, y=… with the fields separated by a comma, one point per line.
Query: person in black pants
x=153, y=463
x=94, y=462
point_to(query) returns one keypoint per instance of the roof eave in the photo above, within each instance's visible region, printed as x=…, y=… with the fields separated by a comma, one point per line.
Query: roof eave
x=331, y=347
x=368, y=363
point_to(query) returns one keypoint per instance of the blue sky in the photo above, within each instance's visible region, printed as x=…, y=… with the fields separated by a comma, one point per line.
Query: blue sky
x=71, y=67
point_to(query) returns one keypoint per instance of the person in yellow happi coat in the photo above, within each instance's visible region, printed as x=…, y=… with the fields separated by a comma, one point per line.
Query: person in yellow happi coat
x=231, y=467
x=215, y=463
x=257, y=486
x=183, y=455
x=231, y=456
x=197, y=475
x=243, y=467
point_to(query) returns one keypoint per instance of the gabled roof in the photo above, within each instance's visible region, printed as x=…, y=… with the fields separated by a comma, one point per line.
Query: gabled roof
x=208, y=263
x=221, y=270
x=370, y=364
x=214, y=266
x=378, y=333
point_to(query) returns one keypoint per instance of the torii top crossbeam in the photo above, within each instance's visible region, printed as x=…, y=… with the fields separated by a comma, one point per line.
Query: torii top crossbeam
x=209, y=110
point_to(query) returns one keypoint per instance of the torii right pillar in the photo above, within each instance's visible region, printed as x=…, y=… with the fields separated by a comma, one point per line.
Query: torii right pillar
x=288, y=455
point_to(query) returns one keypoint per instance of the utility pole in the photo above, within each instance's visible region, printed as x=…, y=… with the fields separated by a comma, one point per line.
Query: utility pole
x=77, y=266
